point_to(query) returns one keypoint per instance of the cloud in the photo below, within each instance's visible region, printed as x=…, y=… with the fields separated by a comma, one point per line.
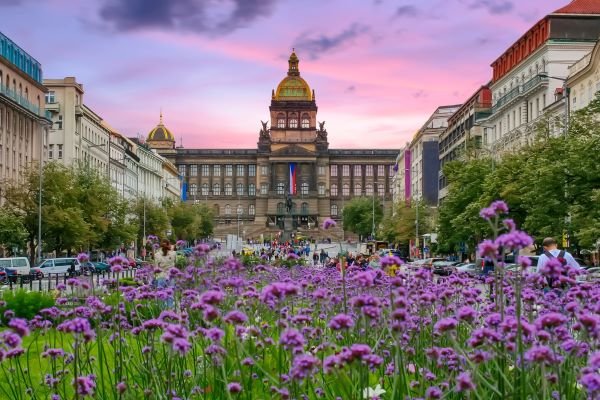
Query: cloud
x=315, y=46
x=492, y=6
x=419, y=94
x=350, y=89
x=406, y=11
x=216, y=17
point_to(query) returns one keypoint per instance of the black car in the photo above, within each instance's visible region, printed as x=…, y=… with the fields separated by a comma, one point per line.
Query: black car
x=443, y=268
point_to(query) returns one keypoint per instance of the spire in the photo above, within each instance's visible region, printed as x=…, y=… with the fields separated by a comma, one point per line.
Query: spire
x=293, y=64
x=161, y=121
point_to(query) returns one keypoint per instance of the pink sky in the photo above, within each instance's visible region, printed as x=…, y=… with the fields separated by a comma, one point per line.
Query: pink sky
x=378, y=67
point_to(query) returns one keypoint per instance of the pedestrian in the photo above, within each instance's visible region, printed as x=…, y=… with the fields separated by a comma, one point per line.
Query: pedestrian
x=315, y=258
x=164, y=259
x=551, y=251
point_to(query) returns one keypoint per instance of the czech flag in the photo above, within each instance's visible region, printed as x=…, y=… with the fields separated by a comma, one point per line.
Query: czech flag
x=293, y=178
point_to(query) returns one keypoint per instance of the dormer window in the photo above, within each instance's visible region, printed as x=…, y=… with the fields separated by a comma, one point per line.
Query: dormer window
x=305, y=121
x=280, y=120
x=293, y=122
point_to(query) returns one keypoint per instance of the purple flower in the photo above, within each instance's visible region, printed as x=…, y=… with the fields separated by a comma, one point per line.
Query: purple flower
x=540, y=354
x=464, y=382
x=433, y=392
x=329, y=223
x=466, y=313
x=487, y=248
x=303, y=366
x=388, y=261
x=514, y=240
x=85, y=385
x=445, y=325
x=19, y=325
x=234, y=387
x=550, y=320
x=496, y=208
x=121, y=387
x=341, y=321
x=591, y=382
x=235, y=317
x=291, y=339
x=83, y=257
x=365, y=278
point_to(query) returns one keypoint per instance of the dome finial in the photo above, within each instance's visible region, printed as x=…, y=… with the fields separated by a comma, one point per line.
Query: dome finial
x=161, y=121
x=293, y=64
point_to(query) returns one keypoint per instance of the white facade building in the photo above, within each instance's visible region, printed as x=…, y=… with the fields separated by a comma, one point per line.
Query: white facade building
x=584, y=79
x=150, y=174
x=527, y=75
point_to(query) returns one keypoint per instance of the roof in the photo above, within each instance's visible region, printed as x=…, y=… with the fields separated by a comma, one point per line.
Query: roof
x=293, y=87
x=160, y=133
x=580, y=7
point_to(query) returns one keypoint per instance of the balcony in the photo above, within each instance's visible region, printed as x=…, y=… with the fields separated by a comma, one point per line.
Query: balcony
x=78, y=110
x=20, y=100
x=53, y=107
x=518, y=92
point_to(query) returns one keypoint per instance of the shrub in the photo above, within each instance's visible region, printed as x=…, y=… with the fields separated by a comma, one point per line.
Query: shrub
x=26, y=304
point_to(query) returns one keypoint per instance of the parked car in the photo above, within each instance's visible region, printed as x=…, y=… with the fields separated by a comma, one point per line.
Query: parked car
x=19, y=264
x=58, y=266
x=100, y=267
x=426, y=263
x=470, y=268
x=443, y=268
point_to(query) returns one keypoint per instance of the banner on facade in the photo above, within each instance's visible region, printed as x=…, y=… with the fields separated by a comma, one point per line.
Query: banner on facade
x=293, y=178
x=184, y=191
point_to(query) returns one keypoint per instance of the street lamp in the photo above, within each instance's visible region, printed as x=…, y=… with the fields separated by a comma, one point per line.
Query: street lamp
x=566, y=93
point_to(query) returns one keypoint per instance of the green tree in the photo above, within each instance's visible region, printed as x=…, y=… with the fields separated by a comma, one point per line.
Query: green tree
x=150, y=218
x=401, y=226
x=358, y=215
x=191, y=221
x=12, y=231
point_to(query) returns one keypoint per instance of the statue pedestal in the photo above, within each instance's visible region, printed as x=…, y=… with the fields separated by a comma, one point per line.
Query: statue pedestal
x=288, y=229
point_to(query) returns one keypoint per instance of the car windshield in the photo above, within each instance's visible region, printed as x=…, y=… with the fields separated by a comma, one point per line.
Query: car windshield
x=5, y=263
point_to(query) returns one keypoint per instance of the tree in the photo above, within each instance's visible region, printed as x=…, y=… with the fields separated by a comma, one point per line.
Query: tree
x=358, y=215
x=191, y=221
x=12, y=231
x=401, y=226
x=150, y=218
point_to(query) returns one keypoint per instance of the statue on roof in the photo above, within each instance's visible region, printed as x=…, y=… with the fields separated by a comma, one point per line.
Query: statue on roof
x=264, y=132
x=322, y=132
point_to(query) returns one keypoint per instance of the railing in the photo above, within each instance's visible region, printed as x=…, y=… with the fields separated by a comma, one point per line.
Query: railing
x=518, y=91
x=534, y=82
x=20, y=100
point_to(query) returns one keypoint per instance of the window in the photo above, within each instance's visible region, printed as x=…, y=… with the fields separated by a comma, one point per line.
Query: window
x=334, y=190
x=229, y=170
x=251, y=209
x=280, y=188
x=264, y=188
x=240, y=210
x=239, y=189
x=305, y=121
x=304, y=188
x=381, y=189
x=216, y=170
x=227, y=209
x=181, y=170
x=205, y=170
x=293, y=120
x=60, y=151
x=345, y=170
x=204, y=189
x=334, y=210
x=280, y=208
x=252, y=189
x=264, y=170
x=216, y=189
x=357, y=189
x=193, y=170
x=334, y=170
x=193, y=189
x=280, y=120
x=391, y=171
x=228, y=189
x=368, y=170
x=321, y=189
x=346, y=190
x=380, y=171
x=240, y=170
x=50, y=97
x=58, y=123
x=251, y=170
x=304, y=208
x=357, y=170
x=369, y=189
x=51, y=151
x=321, y=170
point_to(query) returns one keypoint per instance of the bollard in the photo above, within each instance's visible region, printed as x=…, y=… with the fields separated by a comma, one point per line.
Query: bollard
x=56, y=279
x=10, y=283
x=31, y=282
x=20, y=281
x=40, y=284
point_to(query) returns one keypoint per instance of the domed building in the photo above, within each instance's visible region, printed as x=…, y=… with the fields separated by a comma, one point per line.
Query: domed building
x=290, y=182
x=161, y=137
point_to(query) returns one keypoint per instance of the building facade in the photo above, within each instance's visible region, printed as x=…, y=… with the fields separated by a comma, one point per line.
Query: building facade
x=424, y=152
x=247, y=188
x=402, y=184
x=77, y=135
x=526, y=75
x=23, y=120
x=464, y=135
x=584, y=79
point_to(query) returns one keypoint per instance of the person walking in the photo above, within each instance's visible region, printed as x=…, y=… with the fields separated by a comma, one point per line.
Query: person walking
x=164, y=259
x=315, y=258
x=551, y=251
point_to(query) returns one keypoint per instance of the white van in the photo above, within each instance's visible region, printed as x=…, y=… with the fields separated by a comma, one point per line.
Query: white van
x=19, y=264
x=57, y=266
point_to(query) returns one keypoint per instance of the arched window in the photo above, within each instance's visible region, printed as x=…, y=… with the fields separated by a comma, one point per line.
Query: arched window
x=216, y=189
x=240, y=189
x=293, y=122
x=251, y=209
x=304, y=208
x=280, y=208
x=305, y=121
x=304, y=188
x=204, y=189
x=280, y=188
x=228, y=189
x=346, y=190
x=369, y=189
x=334, y=210
x=193, y=189
x=281, y=120
x=252, y=189
x=227, y=209
x=357, y=189
x=334, y=190
x=240, y=210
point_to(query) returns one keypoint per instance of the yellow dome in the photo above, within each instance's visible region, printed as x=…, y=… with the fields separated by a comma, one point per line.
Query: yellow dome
x=293, y=87
x=160, y=133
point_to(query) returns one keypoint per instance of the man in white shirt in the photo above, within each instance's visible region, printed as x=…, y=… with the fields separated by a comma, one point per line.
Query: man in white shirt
x=551, y=251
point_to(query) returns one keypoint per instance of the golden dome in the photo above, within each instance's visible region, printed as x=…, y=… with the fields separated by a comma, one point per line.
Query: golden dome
x=293, y=87
x=160, y=133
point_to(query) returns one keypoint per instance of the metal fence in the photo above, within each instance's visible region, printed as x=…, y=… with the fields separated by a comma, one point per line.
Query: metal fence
x=51, y=281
